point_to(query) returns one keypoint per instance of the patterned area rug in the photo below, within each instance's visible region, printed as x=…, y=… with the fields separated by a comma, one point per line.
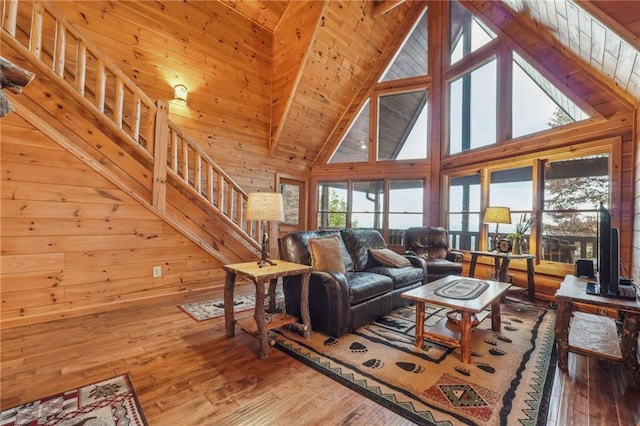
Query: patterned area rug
x=110, y=402
x=508, y=381
x=201, y=311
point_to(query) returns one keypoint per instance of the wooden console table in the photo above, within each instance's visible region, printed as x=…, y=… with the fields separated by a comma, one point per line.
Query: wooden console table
x=501, y=261
x=259, y=276
x=596, y=335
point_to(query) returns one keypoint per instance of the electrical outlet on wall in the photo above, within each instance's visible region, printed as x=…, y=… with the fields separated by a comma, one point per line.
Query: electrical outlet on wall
x=157, y=271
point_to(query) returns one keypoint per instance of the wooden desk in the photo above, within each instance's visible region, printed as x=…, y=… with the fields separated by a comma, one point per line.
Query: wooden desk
x=596, y=335
x=501, y=261
x=259, y=276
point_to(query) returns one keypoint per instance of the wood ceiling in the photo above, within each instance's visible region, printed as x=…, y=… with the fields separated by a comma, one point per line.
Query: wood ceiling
x=334, y=64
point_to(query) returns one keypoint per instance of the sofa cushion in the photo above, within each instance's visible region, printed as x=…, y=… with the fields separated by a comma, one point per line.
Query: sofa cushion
x=443, y=267
x=326, y=254
x=358, y=242
x=389, y=257
x=401, y=277
x=366, y=285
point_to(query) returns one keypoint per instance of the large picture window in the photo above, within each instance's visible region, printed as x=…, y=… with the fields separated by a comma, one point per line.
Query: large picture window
x=363, y=204
x=464, y=212
x=562, y=209
x=473, y=109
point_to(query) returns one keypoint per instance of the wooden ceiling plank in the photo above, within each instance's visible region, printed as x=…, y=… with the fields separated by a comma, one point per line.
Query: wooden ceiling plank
x=598, y=11
x=523, y=34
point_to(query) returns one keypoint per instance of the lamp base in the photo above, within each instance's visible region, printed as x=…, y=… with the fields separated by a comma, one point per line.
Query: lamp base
x=265, y=258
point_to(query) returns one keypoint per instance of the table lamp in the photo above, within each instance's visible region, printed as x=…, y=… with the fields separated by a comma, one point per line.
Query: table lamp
x=263, y=207
x=497, y=215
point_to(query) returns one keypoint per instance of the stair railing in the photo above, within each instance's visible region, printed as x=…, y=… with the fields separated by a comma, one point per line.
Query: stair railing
x=93, y=80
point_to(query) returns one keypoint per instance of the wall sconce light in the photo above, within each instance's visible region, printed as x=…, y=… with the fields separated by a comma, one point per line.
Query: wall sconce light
x=180, y=92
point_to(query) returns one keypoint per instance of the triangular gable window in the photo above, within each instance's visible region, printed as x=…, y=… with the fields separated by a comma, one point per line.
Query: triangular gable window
x=354, y=147
x=411, y=59
x=537, y=104
x=467, y=33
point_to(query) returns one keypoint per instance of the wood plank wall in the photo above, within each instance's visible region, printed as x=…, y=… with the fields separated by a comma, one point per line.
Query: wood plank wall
x=224, y=60
x=73, y=243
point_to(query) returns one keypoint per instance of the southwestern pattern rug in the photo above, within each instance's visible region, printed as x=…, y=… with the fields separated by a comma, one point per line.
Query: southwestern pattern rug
x=508, y=381
x=209, y=309
x=107, y=403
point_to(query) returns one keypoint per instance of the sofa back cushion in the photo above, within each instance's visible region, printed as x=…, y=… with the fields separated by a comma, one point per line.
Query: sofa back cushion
x=294, y=247
x=326, y=254
x=358, y=242
x=390, y=258
x=429, y=242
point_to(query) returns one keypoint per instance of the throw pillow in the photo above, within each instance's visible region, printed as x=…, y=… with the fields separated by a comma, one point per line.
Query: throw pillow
x=389, y=258
x=326, y=254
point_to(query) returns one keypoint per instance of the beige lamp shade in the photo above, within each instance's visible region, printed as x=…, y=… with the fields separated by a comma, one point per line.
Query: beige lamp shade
x=265, y=206
x=497, y=215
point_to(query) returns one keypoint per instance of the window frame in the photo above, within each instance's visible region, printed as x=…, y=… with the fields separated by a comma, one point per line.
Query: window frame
x=612, y=146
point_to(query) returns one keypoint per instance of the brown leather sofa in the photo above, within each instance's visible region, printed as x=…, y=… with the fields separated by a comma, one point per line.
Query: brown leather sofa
x=431, y=243
x=341, y=302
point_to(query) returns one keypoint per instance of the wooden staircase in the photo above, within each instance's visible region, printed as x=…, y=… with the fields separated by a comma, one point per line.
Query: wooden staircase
x=97, y=113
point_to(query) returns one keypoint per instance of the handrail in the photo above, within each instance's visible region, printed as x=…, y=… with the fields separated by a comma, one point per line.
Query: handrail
x=71, y=60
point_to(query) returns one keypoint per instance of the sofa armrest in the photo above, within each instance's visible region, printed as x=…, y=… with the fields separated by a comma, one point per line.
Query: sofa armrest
x=329, y=301
x=455, y=256
x=418, y=262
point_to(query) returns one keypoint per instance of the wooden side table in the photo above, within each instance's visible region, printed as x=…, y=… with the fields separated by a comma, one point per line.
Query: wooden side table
x=596, y=335
x=259, y=276
x=501, y=261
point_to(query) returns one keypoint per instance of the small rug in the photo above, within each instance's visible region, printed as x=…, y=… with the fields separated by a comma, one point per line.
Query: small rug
x=508, y=381
x=209, y=309
x=110, y=402
x=463, y=289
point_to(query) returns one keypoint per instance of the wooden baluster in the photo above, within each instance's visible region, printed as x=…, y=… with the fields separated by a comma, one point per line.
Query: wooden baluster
x=135, y=125
x=35, y=40
x=59, y=52
x=185, y=161
x=12, y=14
x=174, y=151
x=101, y=85
x=119, y=103
x=220, y=189
x=81, y=66
x=197, y=173
x=210, y=183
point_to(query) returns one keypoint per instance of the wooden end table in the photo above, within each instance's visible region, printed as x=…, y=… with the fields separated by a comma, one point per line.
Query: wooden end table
x=501, y=261
x=596, y=335
x=259, y=276
x=446, y=333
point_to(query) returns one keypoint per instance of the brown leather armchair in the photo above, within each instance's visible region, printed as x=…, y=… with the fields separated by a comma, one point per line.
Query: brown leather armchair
x=432, y=244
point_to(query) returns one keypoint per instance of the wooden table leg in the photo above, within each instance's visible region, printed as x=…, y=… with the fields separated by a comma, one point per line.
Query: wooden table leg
x=419, y=324
x=229, y=286
x=465, y=337
x=503, y=276
x=629, y=347
x=472, y=265
x=495, y=315
x=272, y=295
x=563, y=316
x=531, y=287
x=258, y=316
x=304, y=305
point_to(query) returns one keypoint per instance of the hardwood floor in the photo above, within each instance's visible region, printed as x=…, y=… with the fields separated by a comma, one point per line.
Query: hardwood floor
x=189, y=373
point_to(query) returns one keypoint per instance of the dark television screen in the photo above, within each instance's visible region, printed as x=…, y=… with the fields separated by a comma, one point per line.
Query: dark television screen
x=604, y=249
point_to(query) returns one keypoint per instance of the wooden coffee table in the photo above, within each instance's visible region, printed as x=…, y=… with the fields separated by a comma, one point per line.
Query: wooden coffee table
x=472, y=312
